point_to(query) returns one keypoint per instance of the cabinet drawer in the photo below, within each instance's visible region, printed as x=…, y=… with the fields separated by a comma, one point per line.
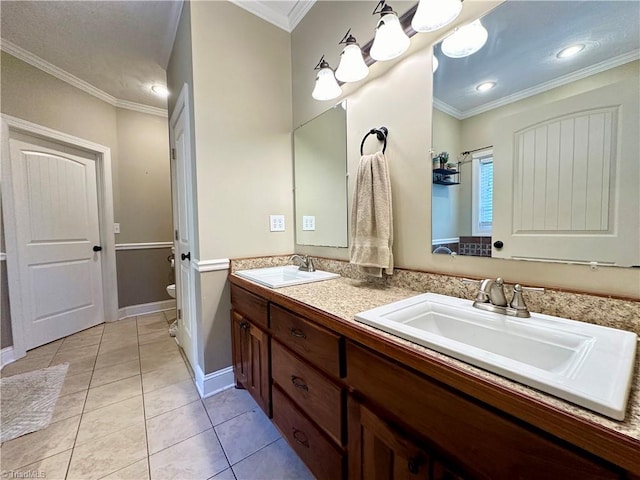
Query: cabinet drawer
x=319, y=454
x=314, y=393
x=316, y=344
x=486, y=443
x=251, y=306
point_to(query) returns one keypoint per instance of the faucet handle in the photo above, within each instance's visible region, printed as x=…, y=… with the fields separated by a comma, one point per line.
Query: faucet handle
x=517, y=301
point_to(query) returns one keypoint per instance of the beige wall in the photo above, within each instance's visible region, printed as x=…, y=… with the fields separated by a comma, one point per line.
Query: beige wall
x=139, y=159
x=240, y=71
x=143, y=276
x=401, y=99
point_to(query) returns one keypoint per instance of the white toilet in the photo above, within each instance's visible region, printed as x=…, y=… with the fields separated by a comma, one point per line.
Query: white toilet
x=171, y=290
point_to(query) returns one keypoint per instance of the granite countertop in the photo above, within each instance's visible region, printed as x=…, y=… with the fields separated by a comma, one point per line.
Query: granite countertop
x=344, y=297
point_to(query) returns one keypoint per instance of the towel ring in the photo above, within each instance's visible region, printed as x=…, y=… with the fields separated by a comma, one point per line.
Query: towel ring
x=381, y=133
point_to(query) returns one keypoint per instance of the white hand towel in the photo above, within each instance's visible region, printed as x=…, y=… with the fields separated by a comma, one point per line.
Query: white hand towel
x=372, y=217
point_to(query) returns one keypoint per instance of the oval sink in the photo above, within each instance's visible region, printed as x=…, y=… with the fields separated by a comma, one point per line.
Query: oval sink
x=277, y=277
x=586, y=364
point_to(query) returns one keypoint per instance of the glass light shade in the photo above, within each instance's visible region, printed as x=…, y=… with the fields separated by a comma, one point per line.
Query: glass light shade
x=435, y=63
x=465, y=41
x=327, y=87
x=352, y=66
x=434, y=14
x=390, y=40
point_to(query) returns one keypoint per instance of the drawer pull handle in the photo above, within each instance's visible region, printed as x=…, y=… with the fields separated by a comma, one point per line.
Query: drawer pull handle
x=244, y=325
x=299, y=383
x=300, y=437
x=296, y=332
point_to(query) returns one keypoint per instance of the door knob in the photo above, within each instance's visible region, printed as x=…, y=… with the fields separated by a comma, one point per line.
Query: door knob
x=186, y=256
x=498, y=244
x=97, y=248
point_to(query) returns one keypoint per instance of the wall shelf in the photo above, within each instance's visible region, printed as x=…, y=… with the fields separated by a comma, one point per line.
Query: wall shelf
x=445, y=176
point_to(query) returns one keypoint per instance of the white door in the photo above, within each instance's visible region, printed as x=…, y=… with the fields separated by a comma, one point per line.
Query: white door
x=183, y=221
x=566, y=179
x=57, y=231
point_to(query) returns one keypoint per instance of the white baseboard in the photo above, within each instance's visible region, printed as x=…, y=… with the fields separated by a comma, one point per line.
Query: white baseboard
x=144, y=308
x=215, y=382
x=7, y=356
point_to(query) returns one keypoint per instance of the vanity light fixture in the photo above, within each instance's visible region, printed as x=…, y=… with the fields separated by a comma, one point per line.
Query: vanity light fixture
x=465, y=41
x=571, y=50
x=327, y=87
x=160, y=90
x=434, y=14
x=435, y=63
x=484, y=86
x=352, y=66
x=390, y=40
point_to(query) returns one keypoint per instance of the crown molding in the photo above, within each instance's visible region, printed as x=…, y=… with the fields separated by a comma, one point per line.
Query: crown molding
x=448, y=109
x=542, y=87
x=41, y=64
x=287, y=23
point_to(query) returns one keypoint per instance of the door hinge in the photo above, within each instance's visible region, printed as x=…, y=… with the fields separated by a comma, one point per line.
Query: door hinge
x=179, y=314
x=173, y=154
x=176, y=234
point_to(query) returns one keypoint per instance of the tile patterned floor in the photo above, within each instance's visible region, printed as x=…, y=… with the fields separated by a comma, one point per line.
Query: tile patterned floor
x=129, y=409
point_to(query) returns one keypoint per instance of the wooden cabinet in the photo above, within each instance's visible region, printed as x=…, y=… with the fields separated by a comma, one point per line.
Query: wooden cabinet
x=250, y=346
x=394, y=422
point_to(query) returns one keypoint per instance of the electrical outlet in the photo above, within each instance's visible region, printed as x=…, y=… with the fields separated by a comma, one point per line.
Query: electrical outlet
x=308, y=222
x=276, y=223
x=116, y=228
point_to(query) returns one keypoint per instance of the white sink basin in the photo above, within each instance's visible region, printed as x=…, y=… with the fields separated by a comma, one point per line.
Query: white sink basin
x=586, y=364
x=277, y=277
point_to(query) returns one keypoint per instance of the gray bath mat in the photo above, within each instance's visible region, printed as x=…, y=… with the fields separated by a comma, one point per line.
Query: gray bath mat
x=27, y=401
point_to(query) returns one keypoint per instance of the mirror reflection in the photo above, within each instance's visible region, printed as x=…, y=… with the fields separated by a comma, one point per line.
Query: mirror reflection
x=320, y=183
x=535, y=136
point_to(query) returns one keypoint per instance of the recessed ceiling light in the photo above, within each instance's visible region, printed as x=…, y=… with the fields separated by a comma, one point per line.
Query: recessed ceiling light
x=570, y=51
x=483, y=87
x=160, y=90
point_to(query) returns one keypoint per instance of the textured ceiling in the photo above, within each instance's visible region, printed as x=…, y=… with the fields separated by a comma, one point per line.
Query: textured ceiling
x=524, y=38
x=120, y=47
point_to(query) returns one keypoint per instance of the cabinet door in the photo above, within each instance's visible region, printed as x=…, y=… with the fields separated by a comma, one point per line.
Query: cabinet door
x=240, y=348
x=377, y=451
x=250, y=352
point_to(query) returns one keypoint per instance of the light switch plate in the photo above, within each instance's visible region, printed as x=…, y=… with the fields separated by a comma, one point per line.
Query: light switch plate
x=308, y=222
x=276, y=223
x=116, y=228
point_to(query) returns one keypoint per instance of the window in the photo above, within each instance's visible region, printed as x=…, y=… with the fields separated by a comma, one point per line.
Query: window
x=482, y=195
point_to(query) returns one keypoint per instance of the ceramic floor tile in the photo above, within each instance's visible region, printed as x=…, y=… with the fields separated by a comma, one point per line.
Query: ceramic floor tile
x=48, y=349
x=245, y=434
x=89, y=332
x=168, y=398
x=53, y=468
x=113, y=341
x=175, y=373
x=137, y=471
x=115, y=392
x=71, y=343
x=108, y=454
x=224, y=475
x=170, y=315
x=165, y=344
x=197, y=458
x=69, y=406
x=274, y=462
x=150, y=318
x=76, y=383
x=228, y=404
x=75, y=354
x=120, y=325
x=102, y=376
x=26, y=364
x=107, y=420
x=155, y=361
x=77, y=367
x=117, y=356
x=176, y=425
x=54, y=439
x=154, y=336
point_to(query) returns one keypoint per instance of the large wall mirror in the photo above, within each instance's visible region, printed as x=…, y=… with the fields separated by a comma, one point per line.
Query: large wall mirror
x=320, y=171
x=537, y=152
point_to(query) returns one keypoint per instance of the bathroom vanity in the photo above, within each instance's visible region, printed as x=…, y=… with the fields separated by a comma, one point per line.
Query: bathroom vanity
x=356, y=402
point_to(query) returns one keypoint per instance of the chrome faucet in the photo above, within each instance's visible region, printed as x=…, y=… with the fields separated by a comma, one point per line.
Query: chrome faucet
x=306, y=262
x=491, y=297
